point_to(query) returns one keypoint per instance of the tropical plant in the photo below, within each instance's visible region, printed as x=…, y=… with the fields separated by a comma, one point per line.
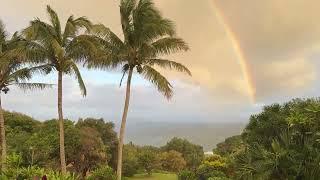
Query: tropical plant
x=213, y=166
x=187, y=175
x=13, y=71
x=193, y=154
x=148, y=37
x=59, y=50
x=102, y=173
x=291, y=150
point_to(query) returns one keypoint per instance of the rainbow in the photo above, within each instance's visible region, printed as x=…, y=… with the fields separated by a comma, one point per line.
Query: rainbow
x=245, y=68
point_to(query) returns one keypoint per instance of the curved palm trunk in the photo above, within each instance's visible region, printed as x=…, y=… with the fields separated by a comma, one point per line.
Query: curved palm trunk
x=3, y=138
x=61, y=125
x=123, y=125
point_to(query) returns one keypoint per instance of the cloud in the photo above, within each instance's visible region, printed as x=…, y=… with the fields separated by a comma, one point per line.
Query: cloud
x=280, y=40
x=106, y=100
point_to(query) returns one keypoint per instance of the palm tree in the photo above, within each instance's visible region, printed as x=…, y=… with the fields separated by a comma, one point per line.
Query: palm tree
x=13, y=71
x=60, y=50
x=147, y=38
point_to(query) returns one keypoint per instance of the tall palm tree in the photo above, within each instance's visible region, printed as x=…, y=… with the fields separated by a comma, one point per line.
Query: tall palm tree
x=13, y=71
x=147, y=38
x=60, y=50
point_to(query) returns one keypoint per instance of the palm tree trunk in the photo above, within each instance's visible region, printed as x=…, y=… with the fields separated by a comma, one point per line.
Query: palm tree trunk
x=3, y=138
x=123, y=125
x=61, y=125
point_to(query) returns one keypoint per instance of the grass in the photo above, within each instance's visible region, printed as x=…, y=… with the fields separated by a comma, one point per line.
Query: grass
x=155, y=176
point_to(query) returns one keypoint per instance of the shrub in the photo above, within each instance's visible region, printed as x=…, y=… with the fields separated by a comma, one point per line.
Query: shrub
x=187, y=175
x=102, y=173
x=23, y=173
x=219, y=178
x=54, y=175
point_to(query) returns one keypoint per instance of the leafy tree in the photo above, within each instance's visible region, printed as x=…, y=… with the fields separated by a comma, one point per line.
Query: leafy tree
x=107, y=134
x=193, y=154
x=147, y=38
x=147, y=158
x=59, y=49
x=45, y=143
x=172, y=161
x=20, y=128
x=130, y=160
x=91, y=153
x=292, y=151
x=37, y=143
x=13, y=71
x=230, y=146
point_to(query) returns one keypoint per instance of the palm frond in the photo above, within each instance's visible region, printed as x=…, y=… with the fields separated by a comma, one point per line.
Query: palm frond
x=167, y=64
x=73, y=26
x=83, y=47
x=33, y=86
x=20, y=75
x=126, y=8
x=107, y=35
x=39, y=30
x=41, y=69
x=169, y=45
x=79, y=78
x=33, y=52
x=149, y=24
x=54, y=19
x=3, y=34
x=158, y=80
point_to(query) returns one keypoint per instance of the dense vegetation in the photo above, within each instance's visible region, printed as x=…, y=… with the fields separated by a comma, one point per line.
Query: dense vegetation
x=46, y=46
x=281, y=142
x=91, y=147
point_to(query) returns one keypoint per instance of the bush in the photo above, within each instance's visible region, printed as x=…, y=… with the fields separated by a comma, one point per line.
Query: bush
x=53, y=175
x=102, y=173
x=187, y=175
x=219, y=178
x=22, y=173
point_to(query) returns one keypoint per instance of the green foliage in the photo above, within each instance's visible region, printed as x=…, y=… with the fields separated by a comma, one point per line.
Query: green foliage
x=107, y=135
x=54, y=175
x=38, y=143
x=24, y=172
x=147, y=159
x=91, y=152
x=102, y=173
x=193, y=154
x=13, y=63
x=148, y=37
x=230, y=146
x=187, y=175
x=130, y=160
x=213, y=166
x=172, y=161
x=59, y=49
x=289, y=147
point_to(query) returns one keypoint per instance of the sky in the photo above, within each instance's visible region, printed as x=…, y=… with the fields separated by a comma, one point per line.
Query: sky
x=244, y=54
